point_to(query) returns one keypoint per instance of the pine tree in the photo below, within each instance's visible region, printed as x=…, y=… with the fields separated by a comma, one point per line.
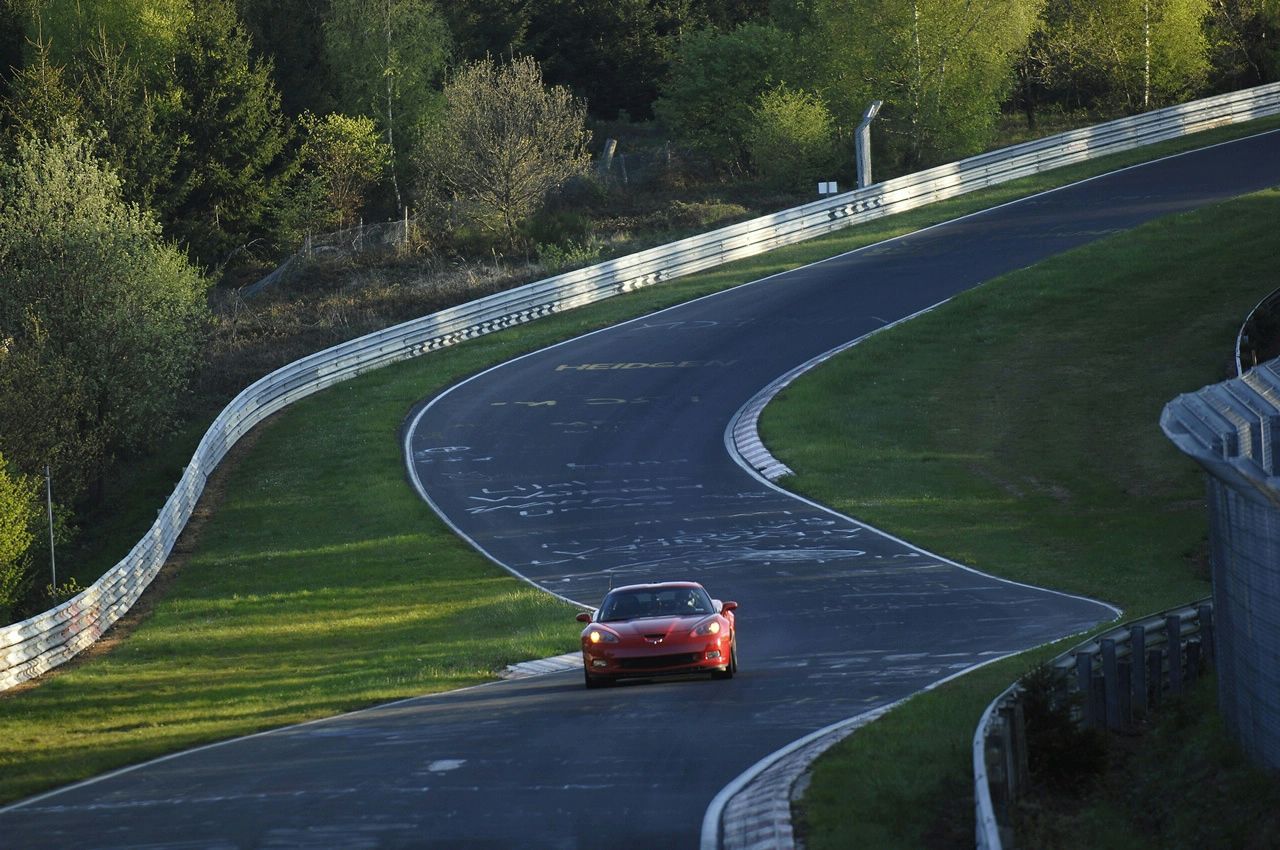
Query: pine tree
x=228, y=116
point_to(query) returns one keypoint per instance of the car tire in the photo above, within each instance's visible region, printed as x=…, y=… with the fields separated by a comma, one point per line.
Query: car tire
x=732, y=667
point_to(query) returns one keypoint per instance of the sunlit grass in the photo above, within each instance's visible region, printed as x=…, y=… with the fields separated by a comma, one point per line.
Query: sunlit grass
x=1016, y=430
x=323, y=584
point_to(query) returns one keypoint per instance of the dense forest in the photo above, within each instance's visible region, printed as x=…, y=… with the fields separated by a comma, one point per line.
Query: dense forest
x=150, y=148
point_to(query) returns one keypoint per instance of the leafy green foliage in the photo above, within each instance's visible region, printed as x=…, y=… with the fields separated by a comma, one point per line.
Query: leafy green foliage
x=151, y=30
x=614, y=54
x=292, y=33
x=19, y=508
x=503, y=143
x=341, y=157
x=101, y=318
x=792, y=138
x=134, y=123
x=228, y=114
x=40, y=97
x=388, y=56
x=1244, y=43
x=942, y=68
x=716, y=80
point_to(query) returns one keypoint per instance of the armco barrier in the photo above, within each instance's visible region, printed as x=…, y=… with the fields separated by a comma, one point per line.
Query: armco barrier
x=1110, y=680
x=36, y=645
x=1230, y=429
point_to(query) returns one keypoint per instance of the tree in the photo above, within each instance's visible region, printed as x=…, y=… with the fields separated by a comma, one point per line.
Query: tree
x=615, y=54
x=228, y=116
x=717, y=79
x=101, y=319
x=792, y=137
x=40, y=96
x=150, y=30
x=387, y=55
x=18, y=512
x=341, y=157
x=1151, y=52
x=1244, y=42
x=292, y=33
x=134, y=123
x=504, y=141
x=942, y=68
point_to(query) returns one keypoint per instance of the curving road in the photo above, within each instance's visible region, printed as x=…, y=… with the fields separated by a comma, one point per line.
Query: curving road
x=603, y=460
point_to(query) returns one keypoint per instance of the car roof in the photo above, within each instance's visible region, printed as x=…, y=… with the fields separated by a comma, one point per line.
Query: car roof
x=660, y=585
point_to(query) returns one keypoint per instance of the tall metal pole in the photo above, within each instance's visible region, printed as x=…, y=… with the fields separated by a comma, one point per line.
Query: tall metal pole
x=862, y=143
x=48, y=500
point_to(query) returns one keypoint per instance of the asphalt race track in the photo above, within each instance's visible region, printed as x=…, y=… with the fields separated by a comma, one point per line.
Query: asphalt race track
x=603, y=461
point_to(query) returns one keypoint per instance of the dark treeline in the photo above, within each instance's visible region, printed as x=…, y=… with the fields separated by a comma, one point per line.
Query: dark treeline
x=151, y=148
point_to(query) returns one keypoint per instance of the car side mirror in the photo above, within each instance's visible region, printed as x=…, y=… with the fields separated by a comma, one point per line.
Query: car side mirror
x=583, y=617
x=729, y=606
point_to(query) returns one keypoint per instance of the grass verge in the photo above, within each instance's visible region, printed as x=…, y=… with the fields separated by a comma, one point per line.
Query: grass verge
x=1016, y=430
x=322, y=584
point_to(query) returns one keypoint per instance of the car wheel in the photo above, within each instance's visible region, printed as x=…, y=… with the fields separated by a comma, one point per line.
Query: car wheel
x=594, y=682
x=732, y=667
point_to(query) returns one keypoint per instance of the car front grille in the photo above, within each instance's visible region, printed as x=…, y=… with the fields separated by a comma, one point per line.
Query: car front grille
x=655, y=662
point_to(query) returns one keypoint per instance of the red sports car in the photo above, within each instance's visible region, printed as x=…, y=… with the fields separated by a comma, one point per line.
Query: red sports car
x=647, y=630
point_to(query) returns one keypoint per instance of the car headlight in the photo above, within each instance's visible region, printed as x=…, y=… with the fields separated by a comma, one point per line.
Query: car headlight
x=601, y=636
x=708, y=628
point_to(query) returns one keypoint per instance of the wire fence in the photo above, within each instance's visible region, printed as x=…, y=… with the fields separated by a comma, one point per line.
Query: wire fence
x=379, y=239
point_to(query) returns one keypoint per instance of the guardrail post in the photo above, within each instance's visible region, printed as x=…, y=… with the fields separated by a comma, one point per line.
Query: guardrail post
x=1124, y=686
x=1022, y=759
x=1110, y=684
x=1009, y=754
x=862, y=143
x=1193, y=661
x=1084, y=681
x=1205, y=613
x=1173, y=632
x=1138, y=657
x=1155, y=665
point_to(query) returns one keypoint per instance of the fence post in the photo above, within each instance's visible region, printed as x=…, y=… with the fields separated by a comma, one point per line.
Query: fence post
x=606, y=158
x=1173, y=636
x=1138, y=656
x=862, y=143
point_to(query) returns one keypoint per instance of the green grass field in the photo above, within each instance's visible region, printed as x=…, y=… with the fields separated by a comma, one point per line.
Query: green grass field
x=322, y=584
x=1016, y=430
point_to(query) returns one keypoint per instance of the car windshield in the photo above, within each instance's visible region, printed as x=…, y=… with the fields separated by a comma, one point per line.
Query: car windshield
x=656, y=602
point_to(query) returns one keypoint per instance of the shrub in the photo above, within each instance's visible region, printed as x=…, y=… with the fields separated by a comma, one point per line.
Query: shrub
x=791, y=138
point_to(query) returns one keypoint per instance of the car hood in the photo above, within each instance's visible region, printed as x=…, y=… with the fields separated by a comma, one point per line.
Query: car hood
x=650, y=626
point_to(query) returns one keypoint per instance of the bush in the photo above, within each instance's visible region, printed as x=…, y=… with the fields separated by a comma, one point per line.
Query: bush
x=1062, y=756
x=792, y=138
x=503, y=144
x=19, y=508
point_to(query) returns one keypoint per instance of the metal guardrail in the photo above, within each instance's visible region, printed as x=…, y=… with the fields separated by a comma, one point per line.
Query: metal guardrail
x=1109, y=681
x=1255, y=330
x=34, y=646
